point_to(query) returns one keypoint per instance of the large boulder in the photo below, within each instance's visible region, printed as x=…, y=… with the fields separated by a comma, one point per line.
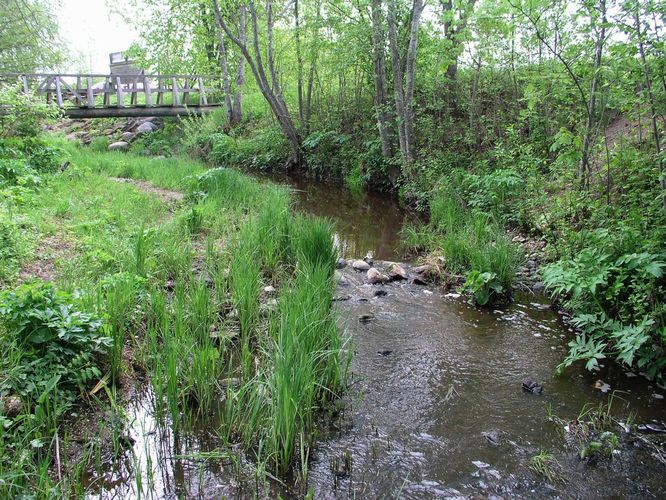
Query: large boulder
x=375, y=277
x=146, y=128
x=119, y=146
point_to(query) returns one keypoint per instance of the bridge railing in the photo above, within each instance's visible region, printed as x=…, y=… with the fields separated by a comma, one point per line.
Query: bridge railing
x=93, y=91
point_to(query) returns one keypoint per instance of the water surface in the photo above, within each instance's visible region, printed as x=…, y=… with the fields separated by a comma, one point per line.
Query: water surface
x=435, y=407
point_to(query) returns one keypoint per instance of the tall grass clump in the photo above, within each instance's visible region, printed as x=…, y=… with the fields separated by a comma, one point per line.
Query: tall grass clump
x=305, y=362
x=475, y=246
x=301, y=367
x=314, y=243
x=245, y=286
x=274, y=231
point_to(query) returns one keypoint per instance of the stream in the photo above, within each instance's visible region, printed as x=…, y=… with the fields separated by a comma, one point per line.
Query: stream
x=435, y=406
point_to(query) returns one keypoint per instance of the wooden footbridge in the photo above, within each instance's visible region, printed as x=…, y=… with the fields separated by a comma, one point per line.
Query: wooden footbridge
x=106, y=96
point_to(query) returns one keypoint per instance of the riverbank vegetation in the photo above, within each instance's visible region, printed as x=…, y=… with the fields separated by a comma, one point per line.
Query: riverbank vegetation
x=202, y=281
x=543, y=117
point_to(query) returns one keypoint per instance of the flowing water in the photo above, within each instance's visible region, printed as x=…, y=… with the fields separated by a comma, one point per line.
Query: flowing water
x=435, y=406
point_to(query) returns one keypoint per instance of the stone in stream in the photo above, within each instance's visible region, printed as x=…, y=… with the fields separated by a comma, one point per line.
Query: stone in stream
x=269, y=289
x=384, y=353
x=341, y=264
x=375, y=277
x=380, y=293
x=423, y=270
x=361, y=265
x=366, y=318
x=493, y=437
x=532, y=386
x=119, y=146
x=396, y=272
x=652, y=427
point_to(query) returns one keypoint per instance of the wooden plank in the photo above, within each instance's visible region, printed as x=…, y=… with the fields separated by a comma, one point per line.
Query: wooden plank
x=203, y=99
x=174, y=92
x=79, y=99
x=119, y=93
x=148, y=93
x=58, y=92
x=89, y=92
x=72, y=91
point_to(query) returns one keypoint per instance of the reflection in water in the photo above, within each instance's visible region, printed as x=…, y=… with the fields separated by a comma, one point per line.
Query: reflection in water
x=367, y=222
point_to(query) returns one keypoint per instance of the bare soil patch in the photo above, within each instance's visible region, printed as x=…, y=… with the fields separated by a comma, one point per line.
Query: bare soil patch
x=50, y=249
x=167, y=195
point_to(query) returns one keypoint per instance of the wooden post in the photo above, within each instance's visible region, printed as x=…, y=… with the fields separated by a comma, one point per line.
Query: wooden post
x=26, y=89
x=147, y=92
x=107, y=91
x=119, y=93
x=89, y=92
x=186, y=91
x=77, y=90
x=58, y=92
x=160, y=93
x=203, y=100
x=174, y=92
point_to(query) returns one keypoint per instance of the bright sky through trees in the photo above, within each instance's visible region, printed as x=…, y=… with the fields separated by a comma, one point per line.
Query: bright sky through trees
x=91, y=31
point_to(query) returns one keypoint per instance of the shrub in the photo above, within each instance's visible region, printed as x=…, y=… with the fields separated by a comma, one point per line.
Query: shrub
x=46, y=336
x=22, y=115
x=11, y=248
x=615, y=295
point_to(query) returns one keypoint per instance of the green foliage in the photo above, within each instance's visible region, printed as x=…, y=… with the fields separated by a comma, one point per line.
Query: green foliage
x=99, y=144
x=46, y=335
x=22, y=114
x=472, y=243
x=615, y=300
x=12, y=248
x=484, y=286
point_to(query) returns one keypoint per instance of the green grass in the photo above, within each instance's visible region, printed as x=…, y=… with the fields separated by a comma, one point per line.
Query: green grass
x=476, y=248
x=172, y=283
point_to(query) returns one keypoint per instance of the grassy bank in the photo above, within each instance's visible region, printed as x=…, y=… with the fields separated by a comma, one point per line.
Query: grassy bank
x=134, y=277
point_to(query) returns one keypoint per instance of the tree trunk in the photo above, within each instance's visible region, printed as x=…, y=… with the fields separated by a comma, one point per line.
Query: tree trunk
x=381, y=101
x=270, y=89
x=410, y=69
x=584, y=171
x=396, y=63
x=452, y=34
x=237, y=110
x=226, y=83
x=653, y=108
x=299, y=64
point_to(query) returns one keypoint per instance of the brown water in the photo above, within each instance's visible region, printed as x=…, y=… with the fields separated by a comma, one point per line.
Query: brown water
x=435, y=406
x=367, y=222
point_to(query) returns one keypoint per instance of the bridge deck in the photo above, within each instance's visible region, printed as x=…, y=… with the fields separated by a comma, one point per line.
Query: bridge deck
x=104, y=96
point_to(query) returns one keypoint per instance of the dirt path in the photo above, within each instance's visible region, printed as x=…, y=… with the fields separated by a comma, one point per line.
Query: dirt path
x=164, y=194
x=50, y=249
